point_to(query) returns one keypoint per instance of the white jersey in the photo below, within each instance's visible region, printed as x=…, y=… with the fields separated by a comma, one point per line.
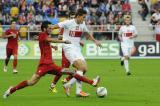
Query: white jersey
x=72, y=32
x=126, y=32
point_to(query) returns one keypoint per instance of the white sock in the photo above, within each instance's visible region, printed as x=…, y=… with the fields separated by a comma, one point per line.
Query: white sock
x=79, y=83
x=126, y=65
x=122, y=58
x=70, y=82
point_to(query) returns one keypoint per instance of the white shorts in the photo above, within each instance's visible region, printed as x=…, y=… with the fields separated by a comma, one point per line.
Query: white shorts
x=126, y=51
x=73, y=54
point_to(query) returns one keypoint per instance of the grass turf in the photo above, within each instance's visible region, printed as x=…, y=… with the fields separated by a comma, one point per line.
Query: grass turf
x=139, y=89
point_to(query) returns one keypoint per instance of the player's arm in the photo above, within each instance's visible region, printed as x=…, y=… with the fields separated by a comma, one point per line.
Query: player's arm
x=90, y=37
x=54, y=47
x=134, y=33
x=120, y=34
x=53, y=40
x=6, y=35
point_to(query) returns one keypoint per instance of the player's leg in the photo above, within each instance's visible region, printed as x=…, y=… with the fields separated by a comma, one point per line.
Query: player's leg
x=8, y=55
x=15, y=54
x=56, y=70
x=81, y=67
x=34, y=79
x=126, y=54
x=65, y=64
x=133, y=50
x=77, y=60
x=79, y=77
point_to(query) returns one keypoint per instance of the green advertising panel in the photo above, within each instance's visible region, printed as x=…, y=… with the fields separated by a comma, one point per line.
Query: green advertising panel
x=110, y=49
x=30, y=50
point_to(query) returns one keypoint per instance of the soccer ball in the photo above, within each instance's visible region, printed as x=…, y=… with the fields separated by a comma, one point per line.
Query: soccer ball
x=101, y=92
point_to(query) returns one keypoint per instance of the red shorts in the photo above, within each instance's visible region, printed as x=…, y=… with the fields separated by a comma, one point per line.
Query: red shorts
x=158, y=37
x=48, y=69
x=65, y=62
x=11, y=51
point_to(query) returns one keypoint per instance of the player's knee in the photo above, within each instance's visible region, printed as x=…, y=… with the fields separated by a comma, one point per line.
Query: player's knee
x=126, y=57
x=83, y=68
x=31, y=83
x=15, y=57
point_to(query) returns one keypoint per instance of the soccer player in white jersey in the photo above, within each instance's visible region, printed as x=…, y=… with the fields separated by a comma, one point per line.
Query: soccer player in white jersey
x=73, y=30
x=127, y=33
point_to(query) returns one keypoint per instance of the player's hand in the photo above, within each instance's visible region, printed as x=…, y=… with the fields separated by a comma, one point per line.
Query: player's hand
x=67, y=42
x=82, y=43
x=131, y=37
x=55, y=47
x=98, y=44
x=13, y=35
x=60, y=37
x=35, y=37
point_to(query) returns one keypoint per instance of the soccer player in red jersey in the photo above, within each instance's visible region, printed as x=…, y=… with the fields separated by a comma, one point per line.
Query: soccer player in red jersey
x=46, y=65
x=12, y=46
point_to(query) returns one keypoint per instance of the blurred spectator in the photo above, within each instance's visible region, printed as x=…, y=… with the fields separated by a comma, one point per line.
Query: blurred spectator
x=22, y=6
x=52, y=18
x=1, y=17
x=22, y=19
x=144, y=10
x=32, y=28
x=38, y=18
x=155, y=17
x=1, y=29
x=30, y=17
x=62, y=8
x=7, y=19
x=14, y=11
x=118, y=7
x=30, y=8
x=126, y=6
x=119, y=18
x=110, y=17
x=94, y=6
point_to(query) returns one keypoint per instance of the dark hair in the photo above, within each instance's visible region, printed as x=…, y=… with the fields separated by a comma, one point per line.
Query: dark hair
x=72, y=13
x=80, y=12
x=45, y=24
x=13, y=21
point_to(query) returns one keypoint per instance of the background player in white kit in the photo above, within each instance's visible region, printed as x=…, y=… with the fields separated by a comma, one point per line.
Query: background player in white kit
x=73, y=30
x=126, y=34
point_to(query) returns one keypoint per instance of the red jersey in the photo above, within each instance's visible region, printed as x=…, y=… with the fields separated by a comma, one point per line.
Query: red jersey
x=12, y=42
x=45, y=49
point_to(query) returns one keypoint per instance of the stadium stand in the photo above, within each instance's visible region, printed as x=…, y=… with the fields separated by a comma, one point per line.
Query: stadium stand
x=104, y=17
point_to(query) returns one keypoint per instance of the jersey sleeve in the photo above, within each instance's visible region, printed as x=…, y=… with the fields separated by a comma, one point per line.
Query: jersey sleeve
x=135, y=30
x=42, y=37
x=120, y=31
x=7, y=32
x=85, y=29
x=64, y=24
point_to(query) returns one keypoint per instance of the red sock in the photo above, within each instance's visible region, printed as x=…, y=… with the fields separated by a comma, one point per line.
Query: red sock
x=19, y=86
x=14, y=63
x=56, y=78
x=69, y=77
x=84, y=79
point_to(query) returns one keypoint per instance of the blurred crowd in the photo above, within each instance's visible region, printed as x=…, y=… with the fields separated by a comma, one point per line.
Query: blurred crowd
x=109, y=14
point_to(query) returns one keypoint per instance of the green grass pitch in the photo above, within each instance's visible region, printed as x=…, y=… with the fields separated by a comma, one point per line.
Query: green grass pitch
x=142, y=88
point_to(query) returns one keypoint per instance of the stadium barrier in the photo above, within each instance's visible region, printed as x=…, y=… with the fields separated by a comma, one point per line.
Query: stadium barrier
x=110, y=50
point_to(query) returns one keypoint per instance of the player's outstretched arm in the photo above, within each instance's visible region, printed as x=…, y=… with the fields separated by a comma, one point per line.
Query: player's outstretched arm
x=54, y=47
x=134, y=36
x=53, y=40
x=10, y=35
x=90, y=37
